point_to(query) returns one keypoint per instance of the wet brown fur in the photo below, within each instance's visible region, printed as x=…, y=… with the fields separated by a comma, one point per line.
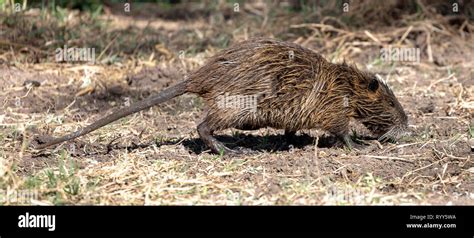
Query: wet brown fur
x=295, y=88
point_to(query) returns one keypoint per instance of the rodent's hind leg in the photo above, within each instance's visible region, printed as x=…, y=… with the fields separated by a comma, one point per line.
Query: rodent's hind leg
x=205, y=133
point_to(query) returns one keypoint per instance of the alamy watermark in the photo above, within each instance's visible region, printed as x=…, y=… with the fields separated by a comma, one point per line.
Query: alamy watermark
x=25, y=196
x=243, y=102
x=345, y=102
x=236, y=7
x=345, y=7
x=291, y=55
x=126, y=7
x=391, y=54
x=37, y=221
x=336, y=195
x=75, y=54
x=455, y=7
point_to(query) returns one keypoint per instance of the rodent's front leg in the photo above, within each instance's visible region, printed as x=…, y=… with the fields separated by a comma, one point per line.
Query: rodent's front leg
x=351, y=144
x=346, y=138
x=340, y=128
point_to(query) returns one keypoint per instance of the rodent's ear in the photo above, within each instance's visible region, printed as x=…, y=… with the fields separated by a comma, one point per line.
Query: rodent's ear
x=373, y=85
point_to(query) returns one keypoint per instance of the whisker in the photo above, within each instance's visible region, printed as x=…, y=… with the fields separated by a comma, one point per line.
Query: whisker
x=394, y=133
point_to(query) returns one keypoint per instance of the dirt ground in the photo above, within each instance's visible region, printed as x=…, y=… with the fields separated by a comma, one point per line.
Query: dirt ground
x=156, y=156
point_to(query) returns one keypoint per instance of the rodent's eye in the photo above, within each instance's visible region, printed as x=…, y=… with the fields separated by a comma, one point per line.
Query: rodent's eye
x=373, y=85
x=391, y=103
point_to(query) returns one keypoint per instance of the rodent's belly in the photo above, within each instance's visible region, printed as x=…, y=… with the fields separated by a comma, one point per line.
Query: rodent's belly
x=262, y=116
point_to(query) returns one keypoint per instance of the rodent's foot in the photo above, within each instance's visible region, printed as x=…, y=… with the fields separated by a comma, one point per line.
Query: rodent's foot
x=353, y=144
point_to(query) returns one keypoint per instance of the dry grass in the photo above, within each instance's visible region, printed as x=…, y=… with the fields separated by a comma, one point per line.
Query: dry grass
x=155, y=157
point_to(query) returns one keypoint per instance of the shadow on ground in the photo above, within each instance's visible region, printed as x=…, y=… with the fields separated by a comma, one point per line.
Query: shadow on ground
x=254, y=143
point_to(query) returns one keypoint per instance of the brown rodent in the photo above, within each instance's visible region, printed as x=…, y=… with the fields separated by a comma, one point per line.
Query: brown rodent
x=269, y=83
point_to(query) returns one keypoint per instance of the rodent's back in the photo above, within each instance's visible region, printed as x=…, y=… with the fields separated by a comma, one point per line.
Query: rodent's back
x=254, y=65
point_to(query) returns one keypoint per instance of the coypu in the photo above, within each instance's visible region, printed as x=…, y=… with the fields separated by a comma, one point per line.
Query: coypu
x=269, y=83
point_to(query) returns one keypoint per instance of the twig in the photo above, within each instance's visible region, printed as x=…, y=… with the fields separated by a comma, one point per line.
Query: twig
x=428, y=46
x=404, y=36
x=107, y=47
x=372, y=37
x=389, y=158
x=322, y=26
x=439, y=80
x=378, y=144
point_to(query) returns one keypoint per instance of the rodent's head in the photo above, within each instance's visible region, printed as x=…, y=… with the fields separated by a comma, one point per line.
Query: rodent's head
x=377, y=107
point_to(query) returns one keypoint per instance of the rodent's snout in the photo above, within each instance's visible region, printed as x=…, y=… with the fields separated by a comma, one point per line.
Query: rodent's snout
x=392, y=128
x=399, y=125
x=395, y=132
